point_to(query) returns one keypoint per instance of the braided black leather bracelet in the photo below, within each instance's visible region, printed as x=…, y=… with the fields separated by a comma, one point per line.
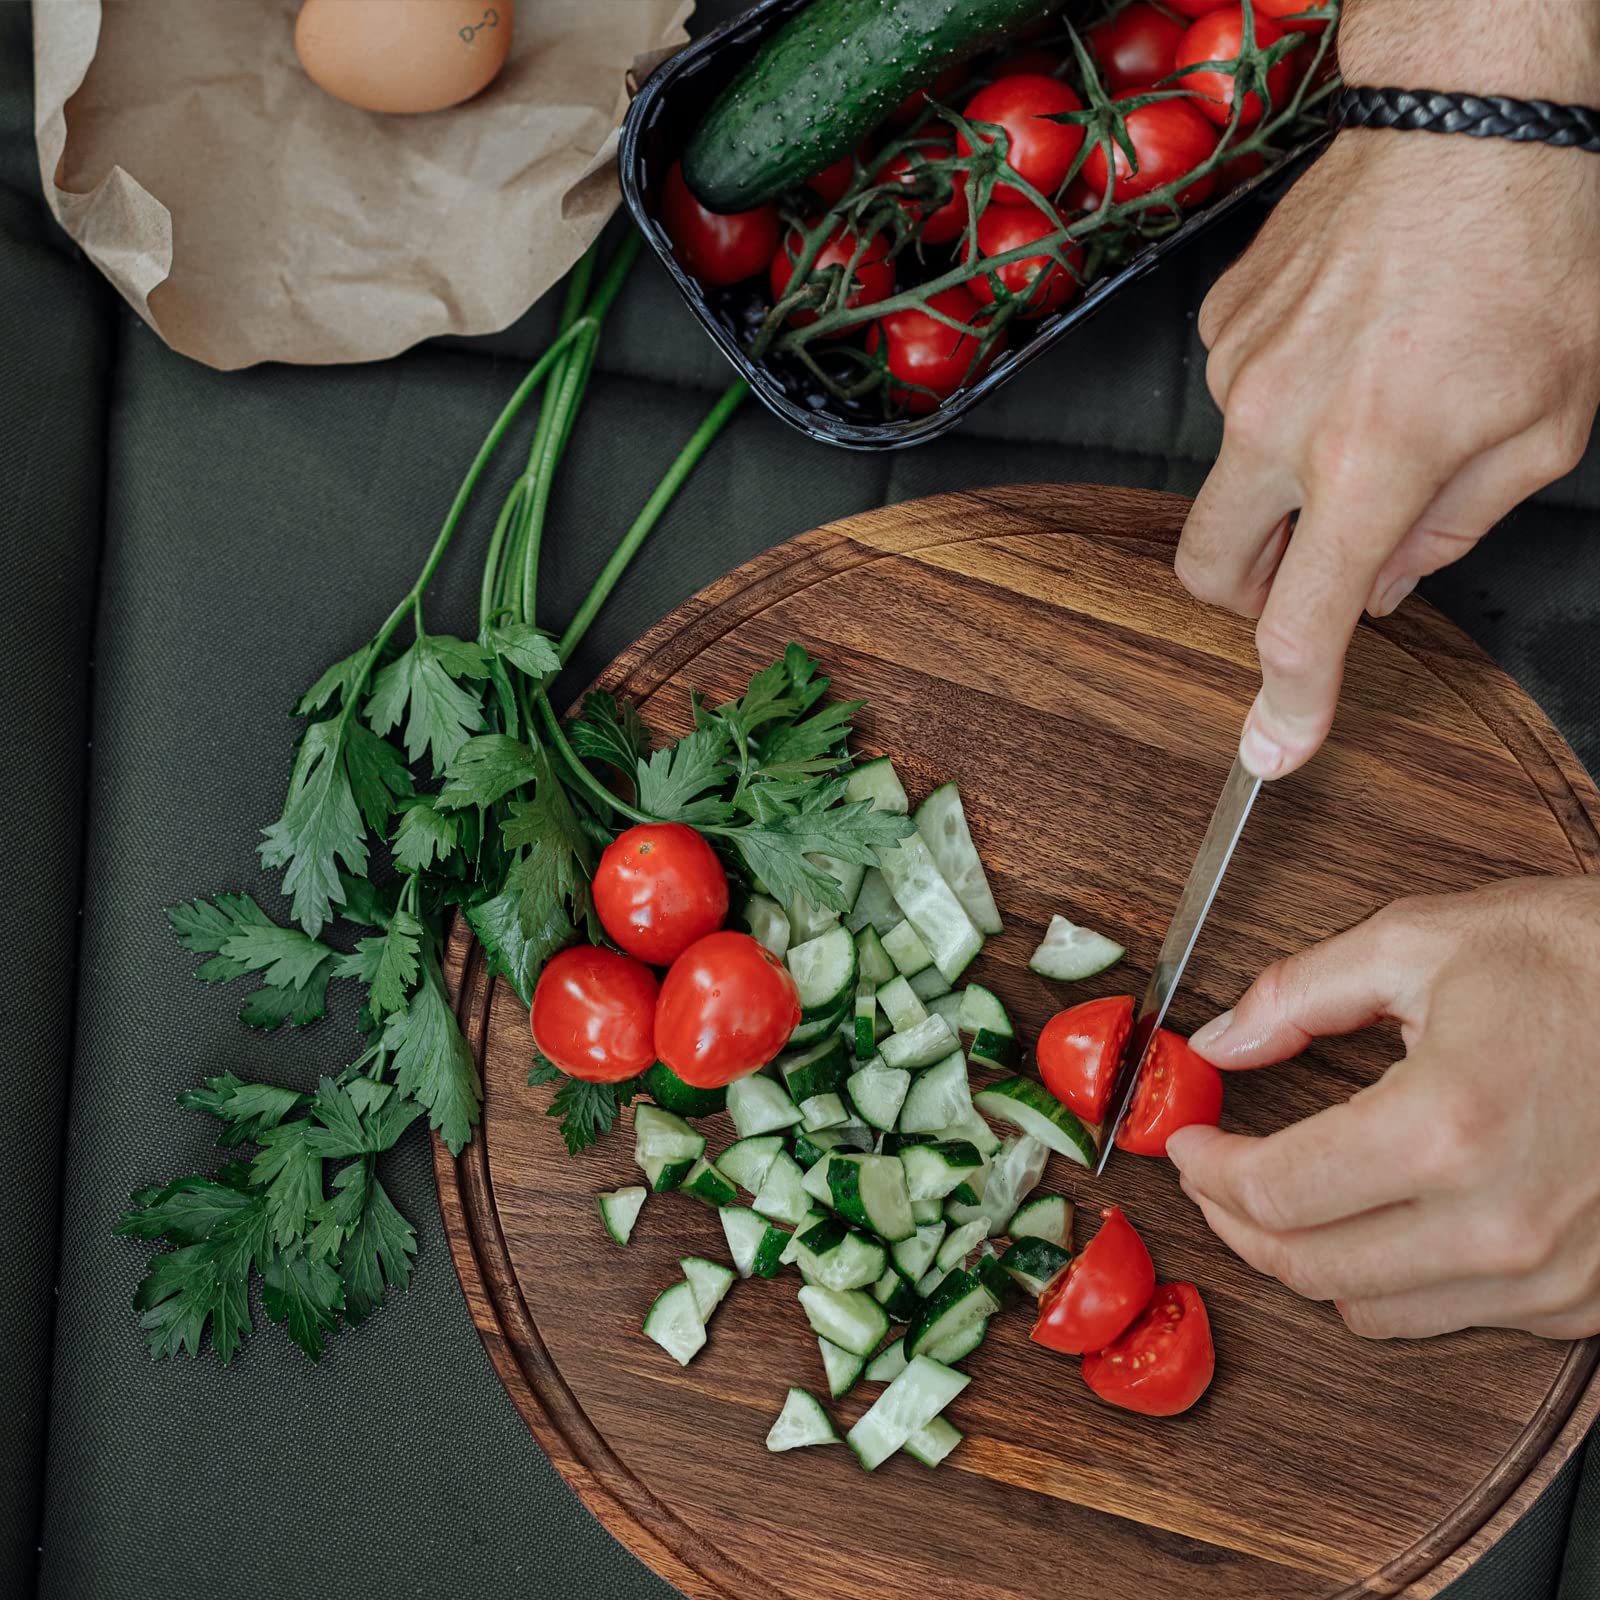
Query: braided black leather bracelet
x=1488, y=116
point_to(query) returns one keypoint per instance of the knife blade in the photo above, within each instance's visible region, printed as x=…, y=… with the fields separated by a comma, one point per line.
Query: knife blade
x=1205, y=876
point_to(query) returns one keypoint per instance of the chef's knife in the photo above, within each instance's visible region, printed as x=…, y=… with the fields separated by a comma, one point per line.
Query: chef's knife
x=1216, y=850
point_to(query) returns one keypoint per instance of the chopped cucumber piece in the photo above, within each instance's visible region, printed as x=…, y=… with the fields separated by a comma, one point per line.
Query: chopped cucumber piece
x=1047, y=1216
x=870, y=1191
x=838, y=1257
x=930, y=905
x=663, y=1172
x=931, y=1040
x=897, y=1295
x=938, y=1098
x=930, y=1281
x=767, y=922
x=815, y=1181
x=755, y=1245
x=998, y=1051
x=824, y=971
x=806, y=921
x=907, y=1406
x=1013, y=1175
x=958, y=1346
x=809, y=1032
x=671, y=1093
x=1070, y=954
x=675, y=1323
x=818, y=1069
x=953, y=1307
x=963, y=1199
x=994, y=1277
x=841, y=1367
x=929, y=985
x=705, y=1182
x=822, y=1111
x=981, y=1011
x=927, y=1212
x=959, y=1243
x=909, y=954
x=802, y=1422
x=1032, y=1108
x=888, y=1364
x=948, y=1006
x=1032, y=1263
x=663, y=1133
x=875, y=905
x=972, y=1128
x=758, y=1105
x=942, y=822
x=933, y=1170
x=710, y=1281
x=809, y=1148
x=872, y=960
x=620, y=1209
x=877, y=781
x=745, y=1161
x=930, y=1445
x=915, y=1255
x=901, y=1006
x=851, y=1319
x=878, y=1092
x=864, y=1030
x=782, y=1196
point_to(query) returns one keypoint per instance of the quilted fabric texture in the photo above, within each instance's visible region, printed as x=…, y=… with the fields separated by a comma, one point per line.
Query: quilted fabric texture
x=180, y=550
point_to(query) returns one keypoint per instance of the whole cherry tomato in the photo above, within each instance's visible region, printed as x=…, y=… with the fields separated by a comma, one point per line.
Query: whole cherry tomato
x=874, y=273
x=1176, y=1087
x=1079, y=1050
x=1164, y=1362
x=941, y=89
x=1038, y=150
x=944, y=222
x=1099, y=1292
x=713, y=248
x=658, y=888
x=1136, y=46
x=1197, y=8
x=1239, y=169
x=1283, y=12
x=1170, y=138
x=830, y=184
x=1219, y=36
x=929, y=353
x=593, y=1014
x=727, y=1007
x=1042, y=282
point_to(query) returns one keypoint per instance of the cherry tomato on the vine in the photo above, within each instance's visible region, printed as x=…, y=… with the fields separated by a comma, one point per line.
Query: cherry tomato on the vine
x=715, y=248
x=1239, y=169
x=1170, y=138
x=1219, y=36
x=1164, y=1362
x=1283, y=12
x=1197, y=8
x=924, y=351
x=1135, y=47
x=942, y=89
x=1038, y=150
x=1099, y=1292
x=727, y=1006
x=874, y=272
x=658, y=888
x=944, y=222
x=1041, y=282
x=1176, y=1088
x=1078, y=1053
x=830, y=184
x=593, y=1014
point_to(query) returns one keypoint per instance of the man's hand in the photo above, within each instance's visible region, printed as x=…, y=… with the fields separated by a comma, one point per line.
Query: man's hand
x=1463, y=1188
x=1409, y=348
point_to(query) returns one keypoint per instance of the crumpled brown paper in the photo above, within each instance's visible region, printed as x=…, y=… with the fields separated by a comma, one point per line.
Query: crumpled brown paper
x=247, y=216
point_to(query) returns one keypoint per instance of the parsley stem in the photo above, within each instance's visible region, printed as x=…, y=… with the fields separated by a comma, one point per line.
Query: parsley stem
x=587, y=781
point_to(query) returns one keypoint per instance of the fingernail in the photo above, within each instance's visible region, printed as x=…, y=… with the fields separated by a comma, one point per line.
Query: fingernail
x=1203, y=1038
x=1393, y=595
x=1261, y=753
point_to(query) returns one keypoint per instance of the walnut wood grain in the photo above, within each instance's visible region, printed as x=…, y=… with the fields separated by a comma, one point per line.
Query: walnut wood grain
x=1032, y=643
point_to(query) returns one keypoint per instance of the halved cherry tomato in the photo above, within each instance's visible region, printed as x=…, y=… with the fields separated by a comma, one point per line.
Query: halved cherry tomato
x=593, y=1014
x=830, y=184
x=942, y=89
x=658, y=888
x=1283, y=13
x=1164, y=1362
x=929, y=353
x=1170, y=138
x=1038, y=150
x=1136, y=46
x=1099, y=1292
x=1219, y=36
x=727, y=1006
x=942, y=223
x=1041, y=282
x=874, y=274
x=713, y=248
x=1079, y=1050
x=1176, y=1088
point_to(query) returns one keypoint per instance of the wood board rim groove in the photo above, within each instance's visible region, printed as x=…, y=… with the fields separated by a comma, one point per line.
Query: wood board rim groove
x=623, y=1503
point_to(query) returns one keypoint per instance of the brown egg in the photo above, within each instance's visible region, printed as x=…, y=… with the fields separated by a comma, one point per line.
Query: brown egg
x=403, y=55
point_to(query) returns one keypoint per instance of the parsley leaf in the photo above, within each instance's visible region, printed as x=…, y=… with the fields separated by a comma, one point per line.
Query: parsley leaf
x=245, y=939
x=339, y=680
x=486, y=770
x=379, y=1247
x=610, y=730
x=525, y=647
x=420, y=686
x=378, y=776
x=248, y=1109
x=304, y=1294
x=432, y=1061
x=425, y=835
x=675, y=784
x=397, y=964
x=290, y=1173
x=287, y=956
x=586, y=1110
x=189, y=1209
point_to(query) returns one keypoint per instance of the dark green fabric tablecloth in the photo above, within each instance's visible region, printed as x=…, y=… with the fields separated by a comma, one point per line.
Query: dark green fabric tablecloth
x=180, y=550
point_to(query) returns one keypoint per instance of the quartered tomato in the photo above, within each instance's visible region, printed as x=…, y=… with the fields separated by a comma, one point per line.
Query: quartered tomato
x=940, y=223
x=727, y=1006
x=1176, y=1087
x=1135, y=47
x=1099, y=1292
x=874, y=272
x=1170, y=138
x=1079, y=1050
x=1219, y=36
x=930, y=353
x=1041, y=282
x=658, y=888
x=1038, y=150
x=713, y=248
x=594, y=1014
x=1164, y=1362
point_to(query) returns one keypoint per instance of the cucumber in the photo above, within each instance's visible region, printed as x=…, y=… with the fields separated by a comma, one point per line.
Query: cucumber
x=929, y=985
x=671, y=1093
x=1013, y=1175
x=828, y=76
x=1031, y=1107
x=972, y=1128
x=705, y=1182
x=958, y=1244
x=878, y=1092
x=822, y=1111
x=1047, y=1216
x=815, y=1180
x=930, y=1281
x=994, y=1277
x=914, y=1256
x=877, y=781
x=783, y=1196
x=1070, y=954
x=663, y=1172
x=931, y=1040
x=938, y=1097
x=933, y=1170
x=959, y=1345
x=925, y=1213
x=907, y=1406
x=870, y=1191
x=807, y=921
x=824, y=971
x=620, y=1209
x=810, y=1148
x=963, y=1200
x=953, y=1307
x=931, y=1444
x=838, y=1257
x=872, y=960
x=942, y=821
x=898, y=1002
x=745, y=1162
x=888, y=1364
x=1032, y=1263
x=767, y=923
x=947, y=1006
x=802, y=1422
x=897, y=1295
x=931, y=906
x=908, y=953
x=753, y=1242
x=675, y=1323
x=875, y=906
x=818, y=1069
x=981, y=1011
x=853, y=1320
x=758, y=1105
x=807, y=1033
x=709, y=1280
x=665, y=1134
x=864, y=1030
x=841, y=1367
x=998, y=1051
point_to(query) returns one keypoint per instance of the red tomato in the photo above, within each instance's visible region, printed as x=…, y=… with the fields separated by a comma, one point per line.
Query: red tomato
x=942, y=223
x=942, y=89
x=1176, y=1087
x=712, y=248
x=1239, y=169
x=1282, y=12
x=594, y=1014
x=658, y=888
x=1197, y=8
x=1040, y=151
x=925, y=351
x=1164, y=1362
x=874, y=278
x=1079, y=1050
x=1099, y=1292
x=1170, y=138
x=727, y=1006
x=1219, y=36
x=830, y=184
x=1135, y=47
x=1043, y=282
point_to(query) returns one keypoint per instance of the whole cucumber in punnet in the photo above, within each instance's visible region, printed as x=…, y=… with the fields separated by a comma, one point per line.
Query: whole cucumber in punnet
x=827, y=76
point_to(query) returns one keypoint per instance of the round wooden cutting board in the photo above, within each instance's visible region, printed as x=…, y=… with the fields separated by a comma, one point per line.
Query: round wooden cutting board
x=1032, y=644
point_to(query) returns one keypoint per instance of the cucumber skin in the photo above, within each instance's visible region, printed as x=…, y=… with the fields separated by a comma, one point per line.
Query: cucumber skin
x=827, y=76
x=671, y=1093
